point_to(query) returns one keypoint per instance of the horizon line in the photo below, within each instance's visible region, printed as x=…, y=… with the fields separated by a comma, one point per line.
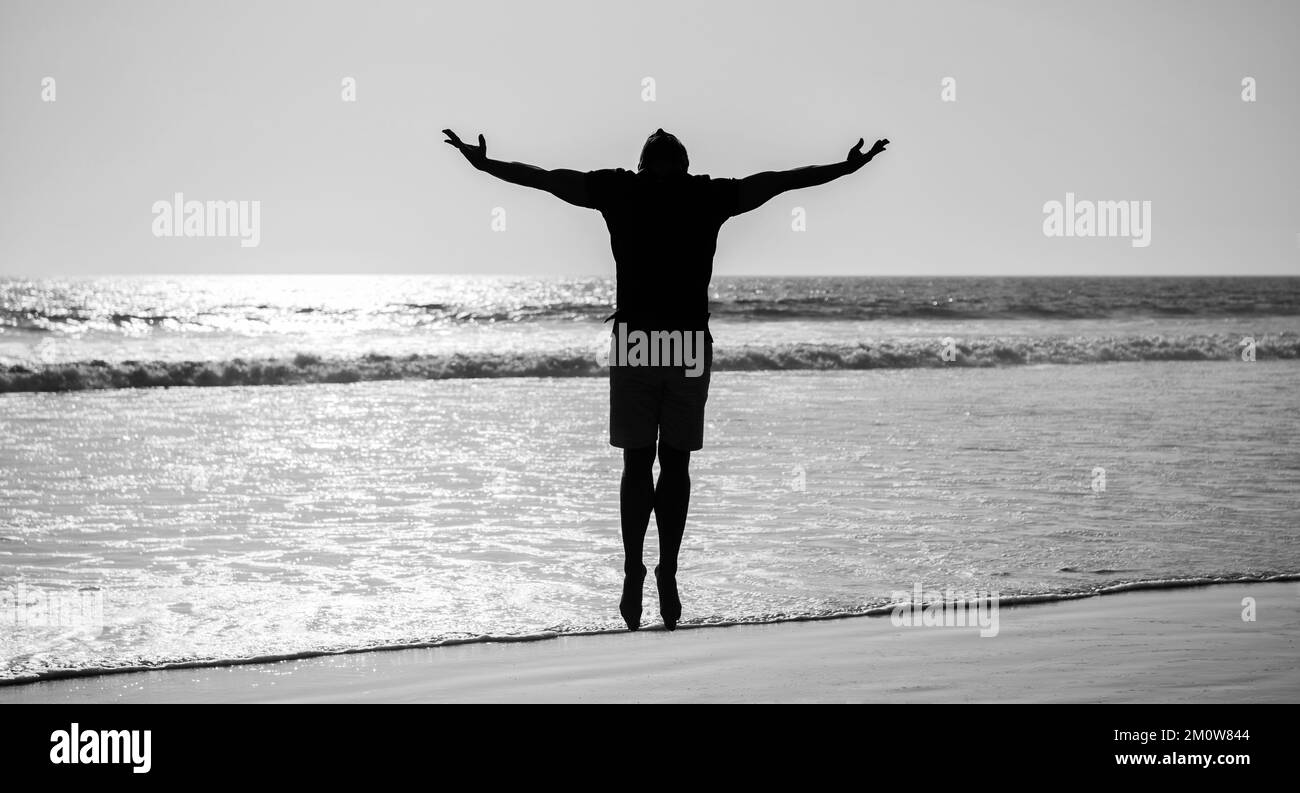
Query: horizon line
x=611, y=276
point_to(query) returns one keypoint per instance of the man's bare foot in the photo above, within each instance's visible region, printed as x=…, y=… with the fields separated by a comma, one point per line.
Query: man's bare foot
x=630, y=605
x=670, y=605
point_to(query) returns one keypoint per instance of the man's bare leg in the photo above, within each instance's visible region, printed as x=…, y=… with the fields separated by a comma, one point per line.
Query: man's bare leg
x=671, y=501
x=636, y=496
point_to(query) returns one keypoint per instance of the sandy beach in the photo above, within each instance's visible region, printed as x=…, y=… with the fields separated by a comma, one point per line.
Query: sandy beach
x=1173, y=645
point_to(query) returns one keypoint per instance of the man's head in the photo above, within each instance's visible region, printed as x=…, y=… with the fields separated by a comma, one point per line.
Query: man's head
x=663, y=155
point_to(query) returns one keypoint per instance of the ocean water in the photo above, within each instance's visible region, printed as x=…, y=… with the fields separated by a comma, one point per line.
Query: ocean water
x=258, y=330
x=440, y=489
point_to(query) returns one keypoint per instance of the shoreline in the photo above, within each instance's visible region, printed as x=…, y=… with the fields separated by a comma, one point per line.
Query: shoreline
x=813, y=651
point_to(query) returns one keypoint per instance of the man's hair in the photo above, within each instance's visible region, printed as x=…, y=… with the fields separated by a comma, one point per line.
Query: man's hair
x=662, y=145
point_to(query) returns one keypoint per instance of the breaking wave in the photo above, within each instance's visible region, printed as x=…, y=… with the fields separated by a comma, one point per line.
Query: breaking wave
x=901, y=354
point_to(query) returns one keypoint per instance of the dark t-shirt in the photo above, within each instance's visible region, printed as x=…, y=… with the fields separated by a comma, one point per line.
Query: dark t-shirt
x=663, y=234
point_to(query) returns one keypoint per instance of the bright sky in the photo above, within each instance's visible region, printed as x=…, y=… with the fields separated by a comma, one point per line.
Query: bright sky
x=242, y=101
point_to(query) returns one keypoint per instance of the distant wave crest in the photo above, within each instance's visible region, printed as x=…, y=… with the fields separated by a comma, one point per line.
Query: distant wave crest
x=143, y=305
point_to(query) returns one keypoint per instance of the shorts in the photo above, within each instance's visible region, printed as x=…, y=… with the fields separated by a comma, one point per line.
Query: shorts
x=663, y=403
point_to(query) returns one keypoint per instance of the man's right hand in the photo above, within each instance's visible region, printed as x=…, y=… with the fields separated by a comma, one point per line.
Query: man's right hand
x=857, y=158
x=477, y=155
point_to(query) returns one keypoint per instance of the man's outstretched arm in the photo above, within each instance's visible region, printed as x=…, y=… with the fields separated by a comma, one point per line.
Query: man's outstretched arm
x=564, y=184
x=758, y=189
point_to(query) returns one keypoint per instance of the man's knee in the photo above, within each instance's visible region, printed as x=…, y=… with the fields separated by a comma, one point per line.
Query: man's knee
x=673, y=461
x=638, y=461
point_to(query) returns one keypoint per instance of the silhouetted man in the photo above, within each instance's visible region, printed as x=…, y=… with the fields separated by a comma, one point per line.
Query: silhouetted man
x=663, y=227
